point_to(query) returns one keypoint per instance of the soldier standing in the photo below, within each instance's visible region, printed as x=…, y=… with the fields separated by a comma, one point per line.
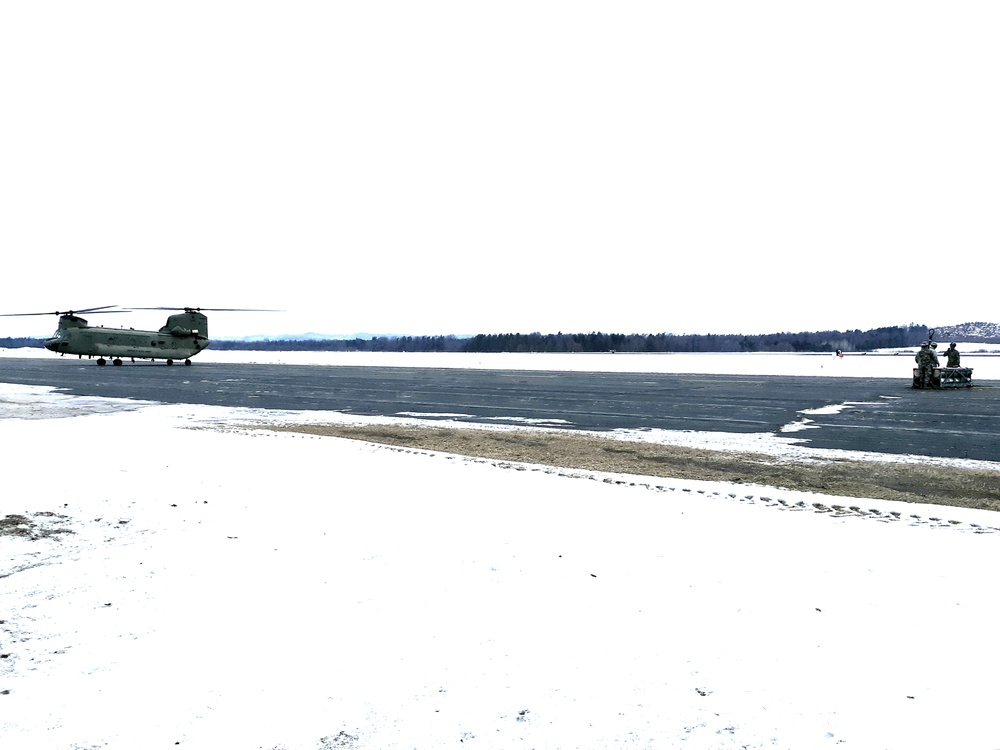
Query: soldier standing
x=954, y=358
x=926, y=360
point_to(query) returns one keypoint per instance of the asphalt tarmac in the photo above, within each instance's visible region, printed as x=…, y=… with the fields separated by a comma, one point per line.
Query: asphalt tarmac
x=882, y=415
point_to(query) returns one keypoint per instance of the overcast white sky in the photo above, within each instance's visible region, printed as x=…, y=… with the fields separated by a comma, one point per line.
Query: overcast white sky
x=467, y=167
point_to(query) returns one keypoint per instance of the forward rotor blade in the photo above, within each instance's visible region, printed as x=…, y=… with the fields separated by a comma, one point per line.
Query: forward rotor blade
x=97, y=310
x=208, y=309
x=86, y=311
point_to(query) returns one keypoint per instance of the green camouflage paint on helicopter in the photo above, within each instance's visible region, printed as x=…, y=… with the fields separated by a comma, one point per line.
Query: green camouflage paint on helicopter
x=184, y=335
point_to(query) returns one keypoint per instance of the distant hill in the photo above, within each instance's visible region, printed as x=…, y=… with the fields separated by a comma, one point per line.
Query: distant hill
x=985, y=333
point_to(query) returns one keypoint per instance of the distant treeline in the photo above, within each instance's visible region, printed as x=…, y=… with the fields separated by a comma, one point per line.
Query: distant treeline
x=20, y=342
x=819, y=341
x=816, y=341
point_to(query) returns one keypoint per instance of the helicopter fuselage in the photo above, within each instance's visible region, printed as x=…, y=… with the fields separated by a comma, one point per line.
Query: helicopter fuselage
x=182, y=338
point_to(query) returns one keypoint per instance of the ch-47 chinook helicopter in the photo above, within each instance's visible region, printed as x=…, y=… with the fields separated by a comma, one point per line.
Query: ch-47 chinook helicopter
x=184, y=335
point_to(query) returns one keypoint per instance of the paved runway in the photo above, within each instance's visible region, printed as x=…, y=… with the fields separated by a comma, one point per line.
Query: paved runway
x=883, y=415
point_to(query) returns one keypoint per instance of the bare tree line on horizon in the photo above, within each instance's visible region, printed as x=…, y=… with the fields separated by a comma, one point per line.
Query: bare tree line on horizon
x=889, y=337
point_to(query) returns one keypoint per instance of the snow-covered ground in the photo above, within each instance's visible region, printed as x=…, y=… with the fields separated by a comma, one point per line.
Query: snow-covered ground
x=177, y=585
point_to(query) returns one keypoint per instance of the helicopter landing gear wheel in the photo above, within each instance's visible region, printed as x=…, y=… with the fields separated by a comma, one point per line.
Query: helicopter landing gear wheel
x=187, y=362
x=116, y=362
x=170, y=362
x=101, y=362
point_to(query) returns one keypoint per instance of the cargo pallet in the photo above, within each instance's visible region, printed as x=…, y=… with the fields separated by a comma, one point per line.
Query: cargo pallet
x=946, y=377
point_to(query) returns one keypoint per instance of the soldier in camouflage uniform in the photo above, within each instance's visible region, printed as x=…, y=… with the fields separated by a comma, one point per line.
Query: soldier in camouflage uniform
x=926, y=360
x=954, y=358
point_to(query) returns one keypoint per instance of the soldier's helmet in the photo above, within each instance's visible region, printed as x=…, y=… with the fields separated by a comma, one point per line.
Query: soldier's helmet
x=925, y=344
